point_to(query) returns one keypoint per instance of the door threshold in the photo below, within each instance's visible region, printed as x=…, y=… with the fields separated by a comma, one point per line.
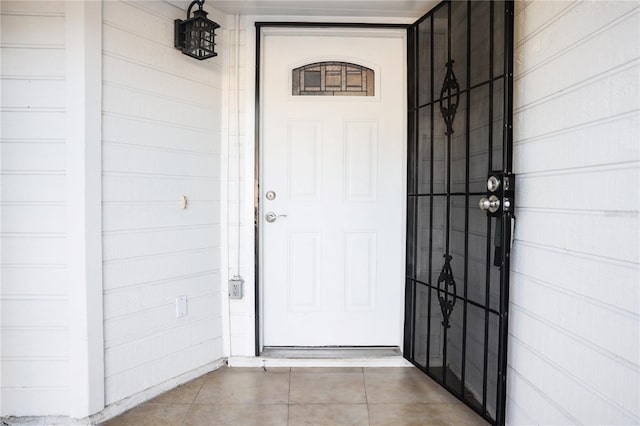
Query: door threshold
x=384, y=356
x=331, y=352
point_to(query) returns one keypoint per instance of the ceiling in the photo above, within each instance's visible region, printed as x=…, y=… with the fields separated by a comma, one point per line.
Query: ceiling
x=348, y=8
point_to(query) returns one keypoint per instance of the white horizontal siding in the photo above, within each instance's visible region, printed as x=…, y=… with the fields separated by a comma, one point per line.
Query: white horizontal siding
x=147, y=297
x=132, y=215
x=27, y=94
x=120, y=385
x=30, y=248
x=32, y=187
x=17, y=124
x=123, y=129
x=144, y=269
x=46, y=400
x=128, y=158
x=42, y=63
x=161, y=140
x=150, y=106
x=155, y=242
x=28, y=280
x=155, y=188
x=34, y=328
x=23, y=156
x=35, y=343
x=574, y=329
x=36, y=311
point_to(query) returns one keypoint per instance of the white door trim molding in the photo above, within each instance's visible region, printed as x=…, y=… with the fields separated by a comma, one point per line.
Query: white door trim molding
x=391, y=30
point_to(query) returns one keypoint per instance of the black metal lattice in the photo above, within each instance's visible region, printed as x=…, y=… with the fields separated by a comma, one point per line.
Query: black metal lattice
x=460, y=96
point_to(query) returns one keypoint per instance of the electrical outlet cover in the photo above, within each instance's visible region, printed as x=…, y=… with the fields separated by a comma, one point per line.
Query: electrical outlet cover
x=235, y=288
x=181, y=306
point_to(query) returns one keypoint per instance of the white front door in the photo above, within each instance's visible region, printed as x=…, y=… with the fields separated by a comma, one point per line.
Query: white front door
x=333, y=171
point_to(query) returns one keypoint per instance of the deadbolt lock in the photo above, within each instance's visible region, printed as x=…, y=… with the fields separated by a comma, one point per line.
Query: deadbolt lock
x=493, y=183
x=500, y=194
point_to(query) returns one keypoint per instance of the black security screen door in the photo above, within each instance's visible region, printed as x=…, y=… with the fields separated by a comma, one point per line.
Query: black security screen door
x=459, y=153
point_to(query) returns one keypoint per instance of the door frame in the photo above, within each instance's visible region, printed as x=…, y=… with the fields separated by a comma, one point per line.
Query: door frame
x=260, y=25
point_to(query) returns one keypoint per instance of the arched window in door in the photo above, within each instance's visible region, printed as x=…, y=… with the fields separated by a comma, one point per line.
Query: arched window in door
x=333, y=78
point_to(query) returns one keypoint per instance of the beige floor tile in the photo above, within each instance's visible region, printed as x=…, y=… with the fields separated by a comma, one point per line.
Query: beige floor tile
x=326, y=369
x=234, y=370
x=422, y=415
x=244, y=388
x=183, y=394
x=152, y=415
x=328, y=414
x=390, y=370
x=237, y=415
x=457, y=414
x=404, y=386
x=327, y=388
x=317, y=396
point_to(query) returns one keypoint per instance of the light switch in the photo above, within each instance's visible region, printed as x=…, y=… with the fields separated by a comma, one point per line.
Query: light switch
x=181, y=306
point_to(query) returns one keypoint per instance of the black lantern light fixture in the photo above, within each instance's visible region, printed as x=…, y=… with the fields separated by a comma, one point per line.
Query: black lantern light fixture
x=195, y=36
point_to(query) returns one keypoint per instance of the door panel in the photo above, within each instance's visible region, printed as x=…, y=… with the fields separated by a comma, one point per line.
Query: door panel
x=459, y=120
x=332, y=151
x=304, y=146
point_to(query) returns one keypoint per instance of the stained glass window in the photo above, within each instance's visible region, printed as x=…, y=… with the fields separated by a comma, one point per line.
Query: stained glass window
x=333, y=79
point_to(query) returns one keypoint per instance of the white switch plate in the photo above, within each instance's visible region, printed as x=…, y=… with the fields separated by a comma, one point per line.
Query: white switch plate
x=181, y=306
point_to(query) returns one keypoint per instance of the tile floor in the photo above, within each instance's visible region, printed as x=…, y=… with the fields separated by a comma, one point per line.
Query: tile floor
x=304, y=396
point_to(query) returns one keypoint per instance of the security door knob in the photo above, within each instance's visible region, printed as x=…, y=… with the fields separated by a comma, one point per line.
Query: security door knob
x=272, y=217
x=491, y=204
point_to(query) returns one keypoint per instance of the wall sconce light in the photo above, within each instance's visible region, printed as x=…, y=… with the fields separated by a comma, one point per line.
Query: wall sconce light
x=195, y=35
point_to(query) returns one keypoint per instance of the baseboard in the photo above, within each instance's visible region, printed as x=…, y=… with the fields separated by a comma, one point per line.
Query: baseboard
x=119, y=407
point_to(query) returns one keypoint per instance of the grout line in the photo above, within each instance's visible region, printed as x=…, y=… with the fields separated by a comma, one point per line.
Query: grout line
x=366, y=397
x=204, y=379
x=186, y=416
x=289, y=397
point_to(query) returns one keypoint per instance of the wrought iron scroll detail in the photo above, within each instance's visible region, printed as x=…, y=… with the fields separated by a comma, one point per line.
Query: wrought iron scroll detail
x=446, y=290
x=450, y=93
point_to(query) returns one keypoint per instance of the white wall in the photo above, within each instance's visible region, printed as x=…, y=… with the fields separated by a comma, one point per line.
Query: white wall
x=162, y=116
x=573, y=355
x=34, y=329
x=162, y=133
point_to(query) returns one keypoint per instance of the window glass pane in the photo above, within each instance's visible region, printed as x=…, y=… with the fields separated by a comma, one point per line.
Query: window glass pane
x=333, y=79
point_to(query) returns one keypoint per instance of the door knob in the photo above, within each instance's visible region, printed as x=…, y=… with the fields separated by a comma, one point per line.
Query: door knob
x=272, y=217
x=492, y=204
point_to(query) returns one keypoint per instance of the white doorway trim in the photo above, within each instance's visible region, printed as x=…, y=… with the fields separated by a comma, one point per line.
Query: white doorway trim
x=392, y=30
